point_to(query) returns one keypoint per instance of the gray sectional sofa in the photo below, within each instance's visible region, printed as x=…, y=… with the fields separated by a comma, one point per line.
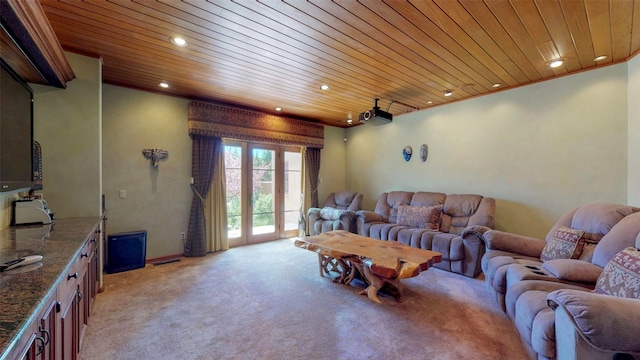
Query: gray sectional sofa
x=581, y=304
x=449, y=224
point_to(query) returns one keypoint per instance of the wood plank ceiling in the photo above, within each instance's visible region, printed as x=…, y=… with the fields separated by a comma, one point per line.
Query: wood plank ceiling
x=267, y=54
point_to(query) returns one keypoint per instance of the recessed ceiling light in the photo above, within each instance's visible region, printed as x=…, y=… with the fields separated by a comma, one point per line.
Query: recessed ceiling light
x=496, y=85
x=179, y=41
x=448, y=92
x=324, y=87
x=429, y=102
x=556, y=63
x=349, y=121
x=600, y=58
x=278, y=109
x=164, y=85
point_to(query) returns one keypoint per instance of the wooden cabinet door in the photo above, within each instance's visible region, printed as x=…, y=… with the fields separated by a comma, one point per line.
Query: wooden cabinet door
x=69, y=327
x=48, y=332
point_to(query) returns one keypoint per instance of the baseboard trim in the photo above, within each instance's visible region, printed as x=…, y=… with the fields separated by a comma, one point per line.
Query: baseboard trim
x=163, y=258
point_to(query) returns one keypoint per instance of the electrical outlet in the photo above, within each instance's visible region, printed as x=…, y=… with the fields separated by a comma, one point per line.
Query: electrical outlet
x=123, y=194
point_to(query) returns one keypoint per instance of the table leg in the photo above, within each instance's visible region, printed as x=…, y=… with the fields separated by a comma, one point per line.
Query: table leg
x=376, y=283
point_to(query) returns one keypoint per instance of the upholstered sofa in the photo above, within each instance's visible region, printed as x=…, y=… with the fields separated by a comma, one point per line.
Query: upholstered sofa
x=586, y=324
x=337, y=213
x=525, y=253
x=449, y=224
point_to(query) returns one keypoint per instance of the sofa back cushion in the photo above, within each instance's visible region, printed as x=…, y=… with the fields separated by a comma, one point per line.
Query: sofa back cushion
x=621, y=275
x=425, y=198
x=344, y=200
x=387, y=204
x=462, y=210
x=621, y=236
x=595, y=219
x=422, y=217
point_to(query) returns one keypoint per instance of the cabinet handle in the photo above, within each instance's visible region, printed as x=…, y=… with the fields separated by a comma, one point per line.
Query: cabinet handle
x=74, y=275
x=46, y=334
x=41, y=346
x=98, y=231
x=79, y=295
x=93, y=240
x=84, y=255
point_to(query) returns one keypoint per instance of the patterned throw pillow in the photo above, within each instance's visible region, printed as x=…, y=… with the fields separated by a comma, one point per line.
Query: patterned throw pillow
x=621, y=275
x=566, y=243
x=423, y=217
x=329, y=213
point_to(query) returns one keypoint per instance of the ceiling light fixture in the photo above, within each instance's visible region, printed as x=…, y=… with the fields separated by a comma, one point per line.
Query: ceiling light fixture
x=278, y=109
x=179, y=41
x=349, y=121
x=164, y=85
x=429, y=102
x=600, y=58
x=324, y=87
x=448, y=92
x=556, y=63
x=496, y=85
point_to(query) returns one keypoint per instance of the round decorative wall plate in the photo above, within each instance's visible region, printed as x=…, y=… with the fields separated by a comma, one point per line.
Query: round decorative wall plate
x=424, y=152
x=406, y=153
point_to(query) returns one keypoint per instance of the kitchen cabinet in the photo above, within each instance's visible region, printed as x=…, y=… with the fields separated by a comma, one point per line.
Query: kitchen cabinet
x=56, y=330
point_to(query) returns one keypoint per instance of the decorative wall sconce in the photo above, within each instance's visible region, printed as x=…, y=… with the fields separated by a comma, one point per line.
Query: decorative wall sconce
x=155, y=155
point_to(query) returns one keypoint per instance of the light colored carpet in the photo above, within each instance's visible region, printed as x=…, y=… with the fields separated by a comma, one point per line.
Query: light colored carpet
x=268, y=301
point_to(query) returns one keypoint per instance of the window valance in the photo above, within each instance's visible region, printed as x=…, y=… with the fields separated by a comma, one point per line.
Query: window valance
x=223, y=121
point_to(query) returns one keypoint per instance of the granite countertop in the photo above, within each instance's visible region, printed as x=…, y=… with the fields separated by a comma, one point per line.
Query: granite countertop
x=24, y=289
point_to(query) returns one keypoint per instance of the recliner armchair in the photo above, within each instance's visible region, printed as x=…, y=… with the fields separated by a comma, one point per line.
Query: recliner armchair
x=337, y=213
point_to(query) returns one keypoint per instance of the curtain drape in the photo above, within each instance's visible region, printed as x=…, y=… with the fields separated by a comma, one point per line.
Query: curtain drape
x=313, y=165
x=202, y=167
x=302, y=218
x=216, y=205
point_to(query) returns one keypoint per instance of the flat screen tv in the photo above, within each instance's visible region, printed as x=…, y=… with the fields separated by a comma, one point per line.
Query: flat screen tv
x=16, y=131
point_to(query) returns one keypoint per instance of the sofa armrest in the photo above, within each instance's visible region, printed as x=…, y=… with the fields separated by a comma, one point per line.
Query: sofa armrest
x=369, y=216
x=606, y=323
x=514, y=243
x=573, y=270
x=474, y=244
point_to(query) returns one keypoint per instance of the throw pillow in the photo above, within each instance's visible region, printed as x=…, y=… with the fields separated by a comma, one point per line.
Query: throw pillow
x=621, y=275
x=566, y=243
x=423, y=217
x=329, y=213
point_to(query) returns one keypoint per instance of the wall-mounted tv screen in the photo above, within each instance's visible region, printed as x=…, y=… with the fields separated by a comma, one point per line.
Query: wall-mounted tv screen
x=16, y=131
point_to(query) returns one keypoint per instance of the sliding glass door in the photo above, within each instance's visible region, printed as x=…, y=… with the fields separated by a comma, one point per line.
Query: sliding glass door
x=263, y=191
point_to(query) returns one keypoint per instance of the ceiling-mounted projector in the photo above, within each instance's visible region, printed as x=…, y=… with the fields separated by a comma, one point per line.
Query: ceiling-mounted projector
x=375, y=116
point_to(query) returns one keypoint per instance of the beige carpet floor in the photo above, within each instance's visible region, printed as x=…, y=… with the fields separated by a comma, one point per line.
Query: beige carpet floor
x=267, y=301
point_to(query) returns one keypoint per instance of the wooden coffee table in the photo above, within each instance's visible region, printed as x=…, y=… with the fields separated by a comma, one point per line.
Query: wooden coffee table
x=378, y=262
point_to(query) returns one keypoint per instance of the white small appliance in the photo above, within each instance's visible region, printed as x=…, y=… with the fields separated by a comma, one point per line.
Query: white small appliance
x=31, y=212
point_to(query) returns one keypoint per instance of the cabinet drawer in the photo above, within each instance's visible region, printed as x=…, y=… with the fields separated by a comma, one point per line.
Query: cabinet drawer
x=69, y=279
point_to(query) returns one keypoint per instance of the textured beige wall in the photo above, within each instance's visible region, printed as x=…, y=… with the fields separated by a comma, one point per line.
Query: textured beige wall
x=633, y=182
x=158, y=200
x=332, y=175
x=67, y=124
x=540, y=150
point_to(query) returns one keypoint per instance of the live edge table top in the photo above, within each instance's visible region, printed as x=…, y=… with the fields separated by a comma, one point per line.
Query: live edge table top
x=387, y=259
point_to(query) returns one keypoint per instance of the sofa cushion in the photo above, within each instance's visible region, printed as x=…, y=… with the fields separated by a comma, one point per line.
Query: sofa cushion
x=566, y=243
x=422, y=217
x=621, y=275
x=329, y=213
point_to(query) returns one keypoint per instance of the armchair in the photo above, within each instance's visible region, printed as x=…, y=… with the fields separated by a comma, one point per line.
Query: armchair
x=337, y=213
